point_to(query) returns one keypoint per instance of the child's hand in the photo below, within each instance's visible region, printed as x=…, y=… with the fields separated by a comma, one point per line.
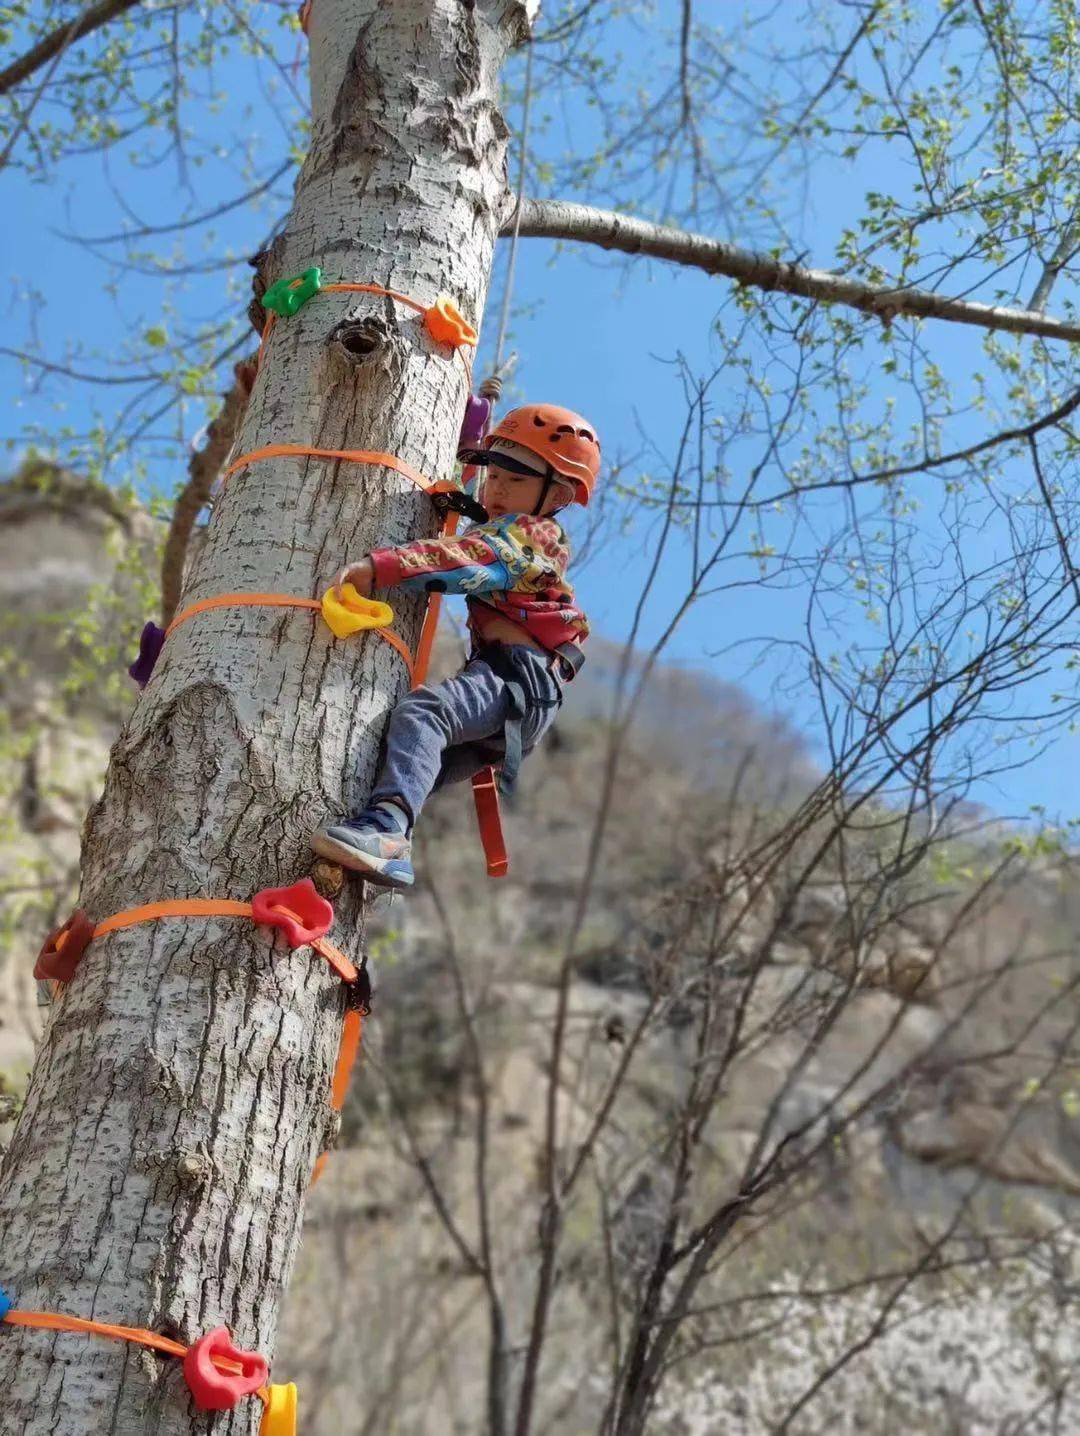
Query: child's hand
x=361, y=575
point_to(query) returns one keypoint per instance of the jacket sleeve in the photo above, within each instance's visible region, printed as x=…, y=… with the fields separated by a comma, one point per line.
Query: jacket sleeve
x=486, y=558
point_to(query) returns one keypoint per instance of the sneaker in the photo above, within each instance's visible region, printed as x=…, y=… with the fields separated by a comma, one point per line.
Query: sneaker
x=368, y=844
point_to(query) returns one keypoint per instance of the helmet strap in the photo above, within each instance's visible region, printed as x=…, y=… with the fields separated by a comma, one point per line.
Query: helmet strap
x=545, y=489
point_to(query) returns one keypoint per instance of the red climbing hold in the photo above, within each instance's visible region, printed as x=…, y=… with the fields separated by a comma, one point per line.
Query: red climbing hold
x=60, y=953
x=213, y=1389
x=298, y=910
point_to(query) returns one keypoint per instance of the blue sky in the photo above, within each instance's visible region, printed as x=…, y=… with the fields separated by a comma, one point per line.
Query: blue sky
x=595, y=334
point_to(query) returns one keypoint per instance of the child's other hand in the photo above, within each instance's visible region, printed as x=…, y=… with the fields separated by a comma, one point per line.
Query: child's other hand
x=361, y=575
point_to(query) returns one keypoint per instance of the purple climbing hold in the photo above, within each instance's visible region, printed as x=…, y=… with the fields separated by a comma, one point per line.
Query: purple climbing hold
x=475, y=423
x=151, y=642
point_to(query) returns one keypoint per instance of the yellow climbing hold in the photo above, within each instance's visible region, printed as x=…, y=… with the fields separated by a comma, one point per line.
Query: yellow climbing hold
x=355, y=613
x=446, y=324
x=279, y=1417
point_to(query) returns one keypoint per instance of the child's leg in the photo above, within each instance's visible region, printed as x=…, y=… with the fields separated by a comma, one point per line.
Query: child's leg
x=467, y=709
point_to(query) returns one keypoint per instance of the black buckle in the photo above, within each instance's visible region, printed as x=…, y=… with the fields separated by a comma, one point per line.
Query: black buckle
x=458, y=502
x=358, y=992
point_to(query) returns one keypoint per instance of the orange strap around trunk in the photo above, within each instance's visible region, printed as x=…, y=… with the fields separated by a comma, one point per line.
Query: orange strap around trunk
x=354, y=456
x=242, y=600
x=282, y=600
x=215, y=907
x=56, y=1321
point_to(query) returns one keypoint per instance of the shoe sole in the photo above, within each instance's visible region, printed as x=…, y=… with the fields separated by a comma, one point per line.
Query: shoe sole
x=371, y=868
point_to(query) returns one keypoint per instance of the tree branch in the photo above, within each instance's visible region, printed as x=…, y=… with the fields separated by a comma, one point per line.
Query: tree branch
x=562, y=219
x=59, y=38
x=206, y=464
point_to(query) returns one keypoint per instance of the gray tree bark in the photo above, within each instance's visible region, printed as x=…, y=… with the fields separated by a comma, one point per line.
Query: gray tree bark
x=206, y=1038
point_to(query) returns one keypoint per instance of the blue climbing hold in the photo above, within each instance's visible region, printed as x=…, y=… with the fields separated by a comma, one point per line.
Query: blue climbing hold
x=5, y=1303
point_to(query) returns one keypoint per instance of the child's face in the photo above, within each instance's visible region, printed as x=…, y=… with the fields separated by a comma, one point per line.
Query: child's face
x=507, y=492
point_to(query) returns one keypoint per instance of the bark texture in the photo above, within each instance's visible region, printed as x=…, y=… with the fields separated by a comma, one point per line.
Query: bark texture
x=179, y=1098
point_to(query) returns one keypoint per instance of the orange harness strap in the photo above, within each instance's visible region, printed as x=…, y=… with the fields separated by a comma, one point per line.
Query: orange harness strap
x=489, y=820
x=282, y=600
x=485, y=789
x=431, y=617
x=56, y=1321
x=348, y=1048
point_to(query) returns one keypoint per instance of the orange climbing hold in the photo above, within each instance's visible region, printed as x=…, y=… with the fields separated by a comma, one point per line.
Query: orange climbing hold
x=446, y=324
x=61, y=950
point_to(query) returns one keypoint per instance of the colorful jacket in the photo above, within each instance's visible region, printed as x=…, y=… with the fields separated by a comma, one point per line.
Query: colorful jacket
x=512, y=566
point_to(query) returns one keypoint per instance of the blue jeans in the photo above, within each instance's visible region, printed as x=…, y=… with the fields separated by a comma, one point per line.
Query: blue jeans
x=446, y=732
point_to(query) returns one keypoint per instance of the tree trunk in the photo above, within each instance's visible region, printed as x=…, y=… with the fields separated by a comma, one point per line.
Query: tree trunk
x=205, y=1038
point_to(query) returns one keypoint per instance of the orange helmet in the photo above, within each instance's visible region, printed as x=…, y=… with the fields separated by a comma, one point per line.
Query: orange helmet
x=563, y=439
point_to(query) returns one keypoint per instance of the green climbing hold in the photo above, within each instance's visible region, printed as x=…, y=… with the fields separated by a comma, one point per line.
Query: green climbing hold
x=288, y=295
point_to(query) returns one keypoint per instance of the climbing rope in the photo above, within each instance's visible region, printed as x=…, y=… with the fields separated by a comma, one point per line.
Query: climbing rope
x=508, y=285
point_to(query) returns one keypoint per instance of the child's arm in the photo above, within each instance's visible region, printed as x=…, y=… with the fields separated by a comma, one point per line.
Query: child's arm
x=523, y=553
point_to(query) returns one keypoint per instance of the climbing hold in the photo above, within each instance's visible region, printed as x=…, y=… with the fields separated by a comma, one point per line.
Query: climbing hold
x=475, y=423
x=5, y=1303
x=288, y=295
x=279, y=1418
x=355, y=613
x=151, y=642
x=444, y=322
x=298, y=910
x=61, y=950
x=213, y=1389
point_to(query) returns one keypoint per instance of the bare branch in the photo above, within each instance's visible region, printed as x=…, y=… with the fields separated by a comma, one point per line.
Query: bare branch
x=59, y=38
x=206, y=464
x=563, y=219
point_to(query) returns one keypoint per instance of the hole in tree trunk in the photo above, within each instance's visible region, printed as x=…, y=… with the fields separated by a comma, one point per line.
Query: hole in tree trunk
x=359, y=339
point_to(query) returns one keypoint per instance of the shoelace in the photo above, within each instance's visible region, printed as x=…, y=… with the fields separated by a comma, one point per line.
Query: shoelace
x=373, y=818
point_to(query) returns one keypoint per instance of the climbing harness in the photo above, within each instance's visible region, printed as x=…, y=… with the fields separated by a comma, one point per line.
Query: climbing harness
x=508, y=286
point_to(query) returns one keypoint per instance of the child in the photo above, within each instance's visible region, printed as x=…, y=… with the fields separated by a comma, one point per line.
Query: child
x=526, y=634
